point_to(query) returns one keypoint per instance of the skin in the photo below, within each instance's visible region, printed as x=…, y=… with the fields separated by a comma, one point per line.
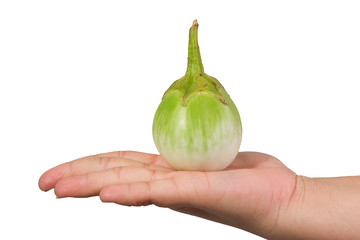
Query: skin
x=256, y=193
x=244, y=195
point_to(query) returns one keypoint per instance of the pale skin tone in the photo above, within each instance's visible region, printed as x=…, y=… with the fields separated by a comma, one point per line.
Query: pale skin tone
x=257, y=193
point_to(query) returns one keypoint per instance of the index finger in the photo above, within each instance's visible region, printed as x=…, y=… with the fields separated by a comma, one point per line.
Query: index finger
x=99, y=162
x=148, y=158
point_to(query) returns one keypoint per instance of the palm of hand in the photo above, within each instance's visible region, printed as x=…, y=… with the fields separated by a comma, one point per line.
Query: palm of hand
x=249, y=194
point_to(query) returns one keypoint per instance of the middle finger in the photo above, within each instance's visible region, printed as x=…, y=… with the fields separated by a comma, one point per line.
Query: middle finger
x=84, y=166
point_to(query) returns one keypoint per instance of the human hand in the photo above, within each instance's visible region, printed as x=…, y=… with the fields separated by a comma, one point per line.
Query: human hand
x=251, y=194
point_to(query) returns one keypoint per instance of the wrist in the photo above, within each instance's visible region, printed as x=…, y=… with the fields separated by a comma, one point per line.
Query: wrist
x=290, y=217
x=321, y=208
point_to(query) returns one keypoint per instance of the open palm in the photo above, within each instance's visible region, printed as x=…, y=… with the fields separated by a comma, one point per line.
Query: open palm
x=250, y=194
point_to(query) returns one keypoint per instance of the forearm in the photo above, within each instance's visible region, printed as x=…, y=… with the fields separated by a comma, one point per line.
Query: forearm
x=321, y=208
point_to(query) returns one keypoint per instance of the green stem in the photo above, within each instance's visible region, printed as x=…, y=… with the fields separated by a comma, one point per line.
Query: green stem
x=194, y=65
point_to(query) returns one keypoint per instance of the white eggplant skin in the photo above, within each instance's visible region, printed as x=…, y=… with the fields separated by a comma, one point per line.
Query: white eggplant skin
x=204, y=135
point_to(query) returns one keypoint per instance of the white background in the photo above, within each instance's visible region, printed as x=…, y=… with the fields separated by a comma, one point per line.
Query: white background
x=85, y=77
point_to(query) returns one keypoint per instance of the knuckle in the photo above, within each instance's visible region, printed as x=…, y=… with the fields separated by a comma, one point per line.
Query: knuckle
x=117, y=172
x=154, y=159
x=122, y=154
x=153, y=176
x=104, y=162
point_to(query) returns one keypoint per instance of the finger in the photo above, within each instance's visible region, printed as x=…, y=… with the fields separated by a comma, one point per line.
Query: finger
x=91, y=184
x=147, y=158
x=178, y=189
x=83, y=166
